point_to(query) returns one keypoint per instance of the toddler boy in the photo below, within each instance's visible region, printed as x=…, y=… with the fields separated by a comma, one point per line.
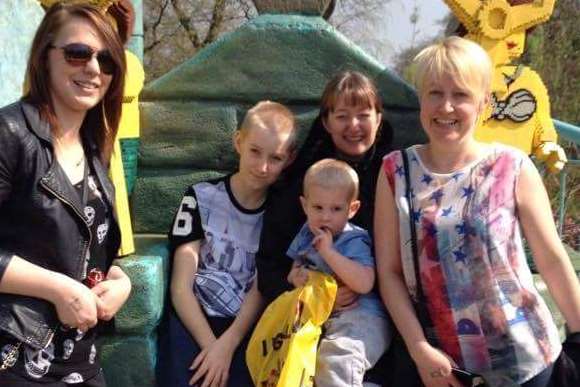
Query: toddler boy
x=353, y=339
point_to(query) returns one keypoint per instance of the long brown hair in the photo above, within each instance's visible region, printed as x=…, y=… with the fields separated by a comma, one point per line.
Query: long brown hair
x=101, y=122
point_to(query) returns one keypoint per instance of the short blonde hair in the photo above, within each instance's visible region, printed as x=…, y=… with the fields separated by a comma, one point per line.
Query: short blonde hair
x=461, y=58
x=332, y=174
x=271, y=115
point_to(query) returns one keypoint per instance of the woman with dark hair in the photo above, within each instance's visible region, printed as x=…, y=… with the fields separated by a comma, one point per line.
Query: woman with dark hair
x=58, y=232
x=349, y=127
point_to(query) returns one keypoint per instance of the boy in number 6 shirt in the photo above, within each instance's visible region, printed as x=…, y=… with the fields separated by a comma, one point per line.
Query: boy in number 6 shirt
x=215, y=236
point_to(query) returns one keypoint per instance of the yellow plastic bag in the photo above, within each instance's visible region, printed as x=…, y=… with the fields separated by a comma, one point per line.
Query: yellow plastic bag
x=282, y=349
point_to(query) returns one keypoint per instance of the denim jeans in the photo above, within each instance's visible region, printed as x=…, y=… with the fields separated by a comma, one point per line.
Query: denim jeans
x=542, y=379
x=177, y=350
x=352, y=342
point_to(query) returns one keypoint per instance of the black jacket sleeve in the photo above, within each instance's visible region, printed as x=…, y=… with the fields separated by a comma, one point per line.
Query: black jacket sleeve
x=11, y=148
x=284, y=216
x=282, y=221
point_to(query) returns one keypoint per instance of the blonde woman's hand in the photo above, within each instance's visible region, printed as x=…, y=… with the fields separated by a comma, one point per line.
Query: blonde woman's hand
x=434, y=367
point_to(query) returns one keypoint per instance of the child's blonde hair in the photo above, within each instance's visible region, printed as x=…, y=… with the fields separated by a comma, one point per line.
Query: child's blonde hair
x=332, y=174
x=271, y=115
x=461, y=58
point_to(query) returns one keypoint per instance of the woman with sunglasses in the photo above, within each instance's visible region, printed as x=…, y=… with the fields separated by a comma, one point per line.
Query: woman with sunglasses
x=58, y=233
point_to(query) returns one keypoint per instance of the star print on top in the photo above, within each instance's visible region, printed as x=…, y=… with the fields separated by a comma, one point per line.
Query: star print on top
x=486, y=312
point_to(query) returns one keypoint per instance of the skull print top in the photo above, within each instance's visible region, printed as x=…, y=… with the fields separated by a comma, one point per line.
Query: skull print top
x=71, y=356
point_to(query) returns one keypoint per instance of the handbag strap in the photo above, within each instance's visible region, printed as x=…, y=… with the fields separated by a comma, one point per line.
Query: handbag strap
x=420, y=304
x=409, y=197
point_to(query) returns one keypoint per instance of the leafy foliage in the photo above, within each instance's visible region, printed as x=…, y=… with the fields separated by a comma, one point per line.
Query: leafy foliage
x=554, y=52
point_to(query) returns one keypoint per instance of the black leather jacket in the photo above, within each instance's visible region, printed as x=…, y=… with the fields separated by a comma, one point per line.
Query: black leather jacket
x=41, y=218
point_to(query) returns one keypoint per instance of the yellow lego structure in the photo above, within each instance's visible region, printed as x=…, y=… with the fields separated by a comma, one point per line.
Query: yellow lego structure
x=128, y=128
x=519, y=113
x=134, y=80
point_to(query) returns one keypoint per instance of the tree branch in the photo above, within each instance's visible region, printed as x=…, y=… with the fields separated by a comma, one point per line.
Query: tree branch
x=216, y=21
x=185, y=22
x=154, y=27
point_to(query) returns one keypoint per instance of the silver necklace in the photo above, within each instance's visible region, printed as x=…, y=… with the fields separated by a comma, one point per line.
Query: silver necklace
x=81, y=160
x=76, y=164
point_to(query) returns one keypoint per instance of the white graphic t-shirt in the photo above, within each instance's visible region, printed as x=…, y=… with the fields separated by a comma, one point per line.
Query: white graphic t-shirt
x=229, y=235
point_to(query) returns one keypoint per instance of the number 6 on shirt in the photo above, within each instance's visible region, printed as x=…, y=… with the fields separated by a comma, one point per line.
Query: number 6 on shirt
x=182, y=225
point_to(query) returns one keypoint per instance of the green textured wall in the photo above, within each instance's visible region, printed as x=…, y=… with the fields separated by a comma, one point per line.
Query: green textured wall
x=189, y=114
x=130, y=355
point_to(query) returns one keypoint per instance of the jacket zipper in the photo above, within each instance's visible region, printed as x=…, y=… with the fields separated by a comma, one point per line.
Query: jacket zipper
x=81, y=216
x=86, y=245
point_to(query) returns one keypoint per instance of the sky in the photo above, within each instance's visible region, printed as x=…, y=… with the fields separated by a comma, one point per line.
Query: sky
x=430, y=12
x=396, y=29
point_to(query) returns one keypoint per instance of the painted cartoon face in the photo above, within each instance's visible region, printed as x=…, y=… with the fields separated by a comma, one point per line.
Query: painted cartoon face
x=263, y=155
x=449, y=111
x=328, y=208
x=515, y=45
x=353, y=129
x=76, y=87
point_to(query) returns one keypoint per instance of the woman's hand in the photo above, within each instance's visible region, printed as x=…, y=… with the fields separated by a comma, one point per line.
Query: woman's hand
x=434, y=367
x=112, y=293
x=213, y=363
x=76, y=305
x=346, y=298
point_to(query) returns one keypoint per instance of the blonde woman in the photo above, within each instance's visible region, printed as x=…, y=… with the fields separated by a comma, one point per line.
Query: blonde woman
x=471, y=203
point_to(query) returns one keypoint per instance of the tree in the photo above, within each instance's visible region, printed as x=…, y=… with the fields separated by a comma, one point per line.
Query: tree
x=360, y=21
x=403, y=62
x=553, y=50
x=176, y=29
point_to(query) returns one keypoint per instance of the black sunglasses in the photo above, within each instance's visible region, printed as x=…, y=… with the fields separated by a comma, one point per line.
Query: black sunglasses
x=79, y=54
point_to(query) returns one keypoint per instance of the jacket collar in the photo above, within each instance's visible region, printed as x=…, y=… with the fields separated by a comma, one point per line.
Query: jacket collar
x=56, y=181
x=36, y=124
x=54, y=176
